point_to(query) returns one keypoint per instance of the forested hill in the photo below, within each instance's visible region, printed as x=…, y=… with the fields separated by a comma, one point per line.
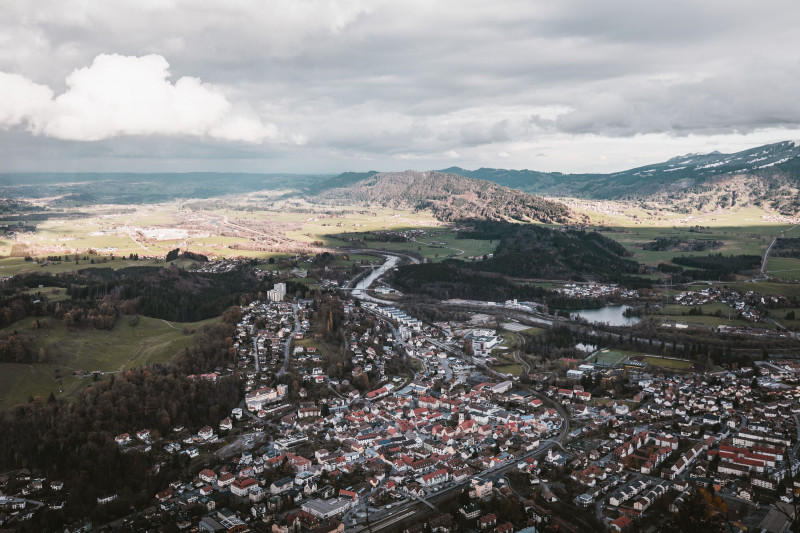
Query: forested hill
x=529, y=251
x=525, y=251
x=449, y=196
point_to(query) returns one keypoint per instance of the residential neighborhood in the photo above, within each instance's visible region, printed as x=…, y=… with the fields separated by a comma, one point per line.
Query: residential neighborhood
x=418, y=425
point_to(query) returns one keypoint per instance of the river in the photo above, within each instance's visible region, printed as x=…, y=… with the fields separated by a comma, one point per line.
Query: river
x=360, y=290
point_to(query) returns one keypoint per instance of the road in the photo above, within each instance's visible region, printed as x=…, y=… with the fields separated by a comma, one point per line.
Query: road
x=448, y=373
x=763, y=273
x=255, y=354
x=240, y=443
x=288, y=346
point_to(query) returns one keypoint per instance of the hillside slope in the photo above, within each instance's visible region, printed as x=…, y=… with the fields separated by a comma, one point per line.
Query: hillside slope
x=449, y=196
x=768, y=175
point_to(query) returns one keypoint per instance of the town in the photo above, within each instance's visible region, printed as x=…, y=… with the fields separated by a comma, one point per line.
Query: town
x=415, y=425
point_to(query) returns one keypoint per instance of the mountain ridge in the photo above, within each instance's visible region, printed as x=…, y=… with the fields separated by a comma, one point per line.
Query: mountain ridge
x=449, y=196
x=776, y=160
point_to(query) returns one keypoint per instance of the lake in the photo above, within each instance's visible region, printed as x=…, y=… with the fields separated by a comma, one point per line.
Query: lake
x=612, y=315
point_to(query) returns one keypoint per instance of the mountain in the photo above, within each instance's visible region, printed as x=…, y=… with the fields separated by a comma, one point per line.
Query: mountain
x=449, y=196
x=769, y=173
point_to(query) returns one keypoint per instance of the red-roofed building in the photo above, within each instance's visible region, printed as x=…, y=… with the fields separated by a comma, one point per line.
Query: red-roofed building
x=241, y=487
x=225, y=479
x=207, y=475
x=488, y=521
x=434, y=478
x=349, y=494
x=621, y=523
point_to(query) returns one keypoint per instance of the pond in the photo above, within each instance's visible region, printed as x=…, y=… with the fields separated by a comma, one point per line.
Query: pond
x=613, y=315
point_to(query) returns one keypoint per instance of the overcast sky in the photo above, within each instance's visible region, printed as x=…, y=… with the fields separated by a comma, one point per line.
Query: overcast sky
x=327, y=86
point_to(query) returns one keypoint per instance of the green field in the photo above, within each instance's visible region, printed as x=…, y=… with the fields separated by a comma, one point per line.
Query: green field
x=713, y=321
x=439, y=244
x=507, y=362
x=513, y=369
x=54, y=294
x=751, y=240
x=790, y=290
x=609, y=357
x=727, y=316
x=784, y=268
x=618, y=357
x=11, y=266
x=150, y=341
x=664, y=362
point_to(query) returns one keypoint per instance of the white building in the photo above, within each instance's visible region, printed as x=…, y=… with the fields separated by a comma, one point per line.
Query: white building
x=277, y=293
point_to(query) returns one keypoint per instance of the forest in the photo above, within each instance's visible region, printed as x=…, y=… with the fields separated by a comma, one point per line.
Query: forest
x=74, y=442
x=786, y=247
x=529, y=251
x=712, y=267
x=524, y=251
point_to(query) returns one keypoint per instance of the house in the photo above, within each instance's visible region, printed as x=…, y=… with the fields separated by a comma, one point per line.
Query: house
x=282, y=485
x=207, y=475
x=621, y=523
x=488, y=521
x=470, y=511
x=434, y=478
x=241, y=487
x=225, y=479
x=349, y=495
x=226, y=424
x=480, y=489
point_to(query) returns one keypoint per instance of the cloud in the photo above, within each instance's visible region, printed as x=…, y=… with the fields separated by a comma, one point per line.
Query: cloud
x=22, y=99
x=311, y=82
x=127, y=96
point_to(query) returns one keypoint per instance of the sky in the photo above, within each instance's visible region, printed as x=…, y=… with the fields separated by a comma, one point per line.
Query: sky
x=316, y=86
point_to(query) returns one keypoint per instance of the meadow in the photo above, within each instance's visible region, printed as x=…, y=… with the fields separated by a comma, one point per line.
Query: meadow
x=126, y=346
x=746, y=240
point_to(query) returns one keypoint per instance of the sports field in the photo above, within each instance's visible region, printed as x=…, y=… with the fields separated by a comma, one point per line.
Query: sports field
x=607, y=357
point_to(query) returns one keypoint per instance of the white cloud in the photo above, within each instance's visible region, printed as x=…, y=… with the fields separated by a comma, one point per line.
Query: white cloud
x=124, y=95
x=21, y=99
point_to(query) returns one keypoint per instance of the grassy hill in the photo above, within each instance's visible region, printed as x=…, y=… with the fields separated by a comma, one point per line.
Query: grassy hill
x=126, y=346
x=450, y=197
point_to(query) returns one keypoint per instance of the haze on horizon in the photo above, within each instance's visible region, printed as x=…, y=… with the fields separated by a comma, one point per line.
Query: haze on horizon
x=328, y=86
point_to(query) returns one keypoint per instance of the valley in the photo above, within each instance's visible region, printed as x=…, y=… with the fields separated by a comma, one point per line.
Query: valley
x=290, y=310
